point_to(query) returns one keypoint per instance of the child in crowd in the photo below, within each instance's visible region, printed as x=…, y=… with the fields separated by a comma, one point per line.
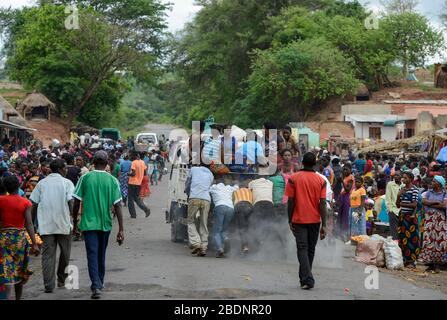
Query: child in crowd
x=357, y=212
x=370, y=217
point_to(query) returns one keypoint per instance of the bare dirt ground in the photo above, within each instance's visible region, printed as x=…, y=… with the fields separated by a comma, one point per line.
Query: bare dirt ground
x=49, y=130
x=409, y=91
x=421, y=278
x=10, y=85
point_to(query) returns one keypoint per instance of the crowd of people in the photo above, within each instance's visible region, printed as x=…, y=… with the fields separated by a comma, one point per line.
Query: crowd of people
x=71, y=192
x=63, y=193
x=398, y=196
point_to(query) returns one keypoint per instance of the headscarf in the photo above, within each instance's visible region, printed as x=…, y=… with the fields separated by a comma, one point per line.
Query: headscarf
x=440, y=180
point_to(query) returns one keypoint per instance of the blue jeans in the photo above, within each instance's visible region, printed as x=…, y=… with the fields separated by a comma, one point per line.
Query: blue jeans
x=96, y=246
x=222, y=218
x=358, y=226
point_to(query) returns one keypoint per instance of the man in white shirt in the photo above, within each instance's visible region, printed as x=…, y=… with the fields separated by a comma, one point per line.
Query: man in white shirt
x=53, y=199
x=263, y=208
x=223, y=214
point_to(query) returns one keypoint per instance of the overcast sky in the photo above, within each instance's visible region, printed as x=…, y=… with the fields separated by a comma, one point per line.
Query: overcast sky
x=184, y=10
x=430, y=8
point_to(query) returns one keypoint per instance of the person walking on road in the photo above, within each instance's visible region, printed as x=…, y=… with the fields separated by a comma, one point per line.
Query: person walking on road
x=197, y=188
x=136, y=175
x=15, y=219
x=99, y=192
x=125, y=167
x=307, y=215
x=53, y=199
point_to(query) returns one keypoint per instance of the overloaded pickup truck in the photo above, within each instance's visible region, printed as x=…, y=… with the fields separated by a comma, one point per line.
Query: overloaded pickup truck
x=145, y=142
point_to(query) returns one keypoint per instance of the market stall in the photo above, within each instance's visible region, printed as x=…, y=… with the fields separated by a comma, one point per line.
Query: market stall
x=424, y=145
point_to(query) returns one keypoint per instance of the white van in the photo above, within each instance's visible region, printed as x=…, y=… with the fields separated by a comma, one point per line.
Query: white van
x=147, y=139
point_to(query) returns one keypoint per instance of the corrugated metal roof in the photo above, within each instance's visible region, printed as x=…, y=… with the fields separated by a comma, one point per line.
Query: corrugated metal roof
x=427, y=102
x=381, y=118
x=10, y=125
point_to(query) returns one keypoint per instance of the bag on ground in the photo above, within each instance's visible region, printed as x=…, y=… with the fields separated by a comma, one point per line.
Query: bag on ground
x=371, y=252
x=393, y=255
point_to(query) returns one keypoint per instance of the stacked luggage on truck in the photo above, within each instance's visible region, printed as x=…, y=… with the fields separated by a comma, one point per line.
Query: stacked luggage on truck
x=177, y=205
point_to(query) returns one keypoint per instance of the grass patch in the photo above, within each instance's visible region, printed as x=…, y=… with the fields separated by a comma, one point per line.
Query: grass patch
x=12, y=95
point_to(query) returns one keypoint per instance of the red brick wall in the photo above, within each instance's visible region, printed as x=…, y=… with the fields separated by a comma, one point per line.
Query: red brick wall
x=328, y=128
x=412, y=110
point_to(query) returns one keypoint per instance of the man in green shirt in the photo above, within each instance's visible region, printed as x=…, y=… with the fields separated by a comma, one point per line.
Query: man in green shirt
x=392, y=192
x=99, y=192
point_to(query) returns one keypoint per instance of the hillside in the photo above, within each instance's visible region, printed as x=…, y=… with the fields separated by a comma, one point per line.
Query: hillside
x=49, y=130
x=46, y=130
x=404, y=91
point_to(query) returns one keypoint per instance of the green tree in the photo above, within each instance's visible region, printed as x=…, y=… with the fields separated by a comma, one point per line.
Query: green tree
x=372, y=50
x=212, y=54
x=414, y=39
x=288, y=83
x=82, y=69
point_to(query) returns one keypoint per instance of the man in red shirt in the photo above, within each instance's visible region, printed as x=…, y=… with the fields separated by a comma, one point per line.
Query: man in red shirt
x=307, y=211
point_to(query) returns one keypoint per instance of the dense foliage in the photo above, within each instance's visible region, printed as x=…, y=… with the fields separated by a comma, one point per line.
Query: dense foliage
x=283, y=59
x=83, y=70
x=243, y=62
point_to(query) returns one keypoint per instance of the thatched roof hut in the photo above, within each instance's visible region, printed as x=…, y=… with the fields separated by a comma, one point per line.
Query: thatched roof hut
x=36, y=105
x=11, y=114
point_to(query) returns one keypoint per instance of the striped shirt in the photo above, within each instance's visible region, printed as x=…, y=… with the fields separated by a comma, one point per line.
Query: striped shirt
x=409, y=197
x=211, y=150
x=243, y=194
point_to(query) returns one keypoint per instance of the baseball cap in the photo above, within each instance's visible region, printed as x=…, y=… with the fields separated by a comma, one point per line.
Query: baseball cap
x=101, y=155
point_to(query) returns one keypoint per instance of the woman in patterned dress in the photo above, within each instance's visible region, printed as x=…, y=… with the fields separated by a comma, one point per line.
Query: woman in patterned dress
x=435, y=228
x=125, y=166
x=15, y=219
x=407, y=201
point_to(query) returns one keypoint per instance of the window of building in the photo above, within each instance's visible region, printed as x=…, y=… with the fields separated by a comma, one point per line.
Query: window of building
x=375, y=133
x=409, y=133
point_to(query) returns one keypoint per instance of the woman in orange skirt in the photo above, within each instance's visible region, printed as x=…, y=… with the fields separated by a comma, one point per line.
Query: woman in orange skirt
x=145, y=190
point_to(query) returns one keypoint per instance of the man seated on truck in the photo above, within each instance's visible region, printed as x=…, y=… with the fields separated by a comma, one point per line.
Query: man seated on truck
x=197, y=188
x=249, y=155
x=211, y=152
x=195, y=156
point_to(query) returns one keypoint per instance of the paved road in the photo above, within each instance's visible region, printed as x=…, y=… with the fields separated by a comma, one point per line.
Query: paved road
x=150, y=266
x=160, y=129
